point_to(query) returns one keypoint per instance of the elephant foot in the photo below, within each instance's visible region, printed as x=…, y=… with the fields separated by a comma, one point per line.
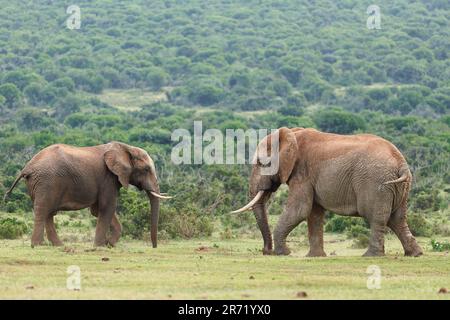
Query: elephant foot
x=316, y=253
x=58, y=243
x=267, y=251
x=102, y=243
x=373, y=253
x=36, y=243
x=282, y=251
x=412, y=249
x=416, y=252
x=111, y=242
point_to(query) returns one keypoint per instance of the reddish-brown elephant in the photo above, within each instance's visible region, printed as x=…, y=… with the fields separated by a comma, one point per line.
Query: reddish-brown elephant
x=351, y=175
x=63, y=178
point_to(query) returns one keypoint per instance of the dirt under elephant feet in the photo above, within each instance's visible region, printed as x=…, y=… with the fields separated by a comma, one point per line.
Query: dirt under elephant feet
x=316, y=253
x=267, y=251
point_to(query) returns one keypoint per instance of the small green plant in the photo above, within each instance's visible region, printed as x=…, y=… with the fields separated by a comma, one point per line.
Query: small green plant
x=12, y=228
x=440, y=246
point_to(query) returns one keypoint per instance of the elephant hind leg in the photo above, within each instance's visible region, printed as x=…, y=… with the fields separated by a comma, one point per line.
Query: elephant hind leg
x=315, y=232
x=377, y=209
x=376, y=242
x=40, y=216
x=397, y=222
x=52, y=235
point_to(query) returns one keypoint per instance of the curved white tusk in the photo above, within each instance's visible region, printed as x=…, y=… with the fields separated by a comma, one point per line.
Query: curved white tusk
x=251, y=203
x=160, y=196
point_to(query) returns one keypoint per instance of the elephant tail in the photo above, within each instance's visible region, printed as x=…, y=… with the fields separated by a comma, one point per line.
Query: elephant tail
x=405, y=177
x=8, y=193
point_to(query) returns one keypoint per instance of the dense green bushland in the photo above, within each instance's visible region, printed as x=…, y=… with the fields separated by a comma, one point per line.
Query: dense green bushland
x=232, y=64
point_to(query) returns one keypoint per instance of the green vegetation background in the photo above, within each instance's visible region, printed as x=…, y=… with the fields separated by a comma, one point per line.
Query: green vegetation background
x=137, y=70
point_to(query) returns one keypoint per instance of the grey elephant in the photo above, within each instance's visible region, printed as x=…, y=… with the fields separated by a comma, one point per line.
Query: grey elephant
x=352, y=175
x=63, y=178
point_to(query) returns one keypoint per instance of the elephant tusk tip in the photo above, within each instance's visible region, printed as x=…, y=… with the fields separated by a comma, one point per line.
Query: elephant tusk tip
x=160, y=196
x=241, y=210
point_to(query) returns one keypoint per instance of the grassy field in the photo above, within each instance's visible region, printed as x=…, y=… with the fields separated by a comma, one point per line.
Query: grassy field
x=217, y=269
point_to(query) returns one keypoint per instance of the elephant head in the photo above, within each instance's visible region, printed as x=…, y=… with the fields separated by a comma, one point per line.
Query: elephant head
x=134, y=166
x=273, y=164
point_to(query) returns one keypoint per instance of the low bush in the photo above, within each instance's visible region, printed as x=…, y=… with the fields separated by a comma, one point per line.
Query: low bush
x=355, y=231
x=441, y=227
x=361, y=241
x=340, y=224
x=239, y=220
x=440, y=246
x=418, y=225
x=188, y=222
x=12, y=228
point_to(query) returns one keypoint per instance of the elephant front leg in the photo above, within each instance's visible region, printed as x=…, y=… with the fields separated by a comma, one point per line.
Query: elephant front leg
x=105, y=216
x=297, y=209
x=315, y=232
x=116, y=231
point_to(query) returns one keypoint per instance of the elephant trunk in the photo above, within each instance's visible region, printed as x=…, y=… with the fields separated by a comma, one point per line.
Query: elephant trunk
x=154, y=203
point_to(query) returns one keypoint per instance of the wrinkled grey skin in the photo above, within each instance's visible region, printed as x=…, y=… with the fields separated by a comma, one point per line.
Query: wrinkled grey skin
x=356, y=175
x=63, y=178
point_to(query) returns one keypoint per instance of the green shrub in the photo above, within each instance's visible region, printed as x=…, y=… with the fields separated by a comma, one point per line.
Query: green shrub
x=337, y=224
x=355, y=231
x=12, y=228
x=439, y=246
x=361, y=241
x=239, y=220
x=418, y=225
x=441, y=228
x=226, y=234
x=429, y=200
x=188, y=222
x=340, y=224
x=338, y=121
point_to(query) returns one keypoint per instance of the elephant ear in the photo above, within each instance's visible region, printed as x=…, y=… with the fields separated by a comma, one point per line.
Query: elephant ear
x=288, y=153
x=118, y=162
